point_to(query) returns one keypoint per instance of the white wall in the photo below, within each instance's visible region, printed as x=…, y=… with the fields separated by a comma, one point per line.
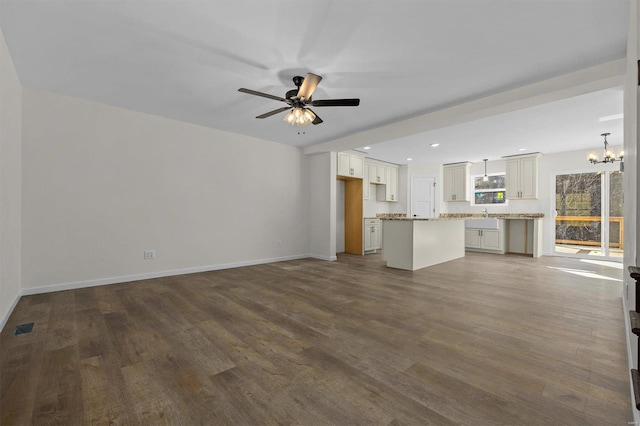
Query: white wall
x=631, y=187
x=371, y=207
x=549, y=166
x=10, y=183
x=322, y=204
x=103, y=184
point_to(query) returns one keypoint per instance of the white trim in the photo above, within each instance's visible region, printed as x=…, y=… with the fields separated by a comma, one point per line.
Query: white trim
x=146, y=276
x=627, y=328
x=320, y=257
x=10, y=311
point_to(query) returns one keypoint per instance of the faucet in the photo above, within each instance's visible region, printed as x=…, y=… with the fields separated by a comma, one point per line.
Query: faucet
x=485, y=212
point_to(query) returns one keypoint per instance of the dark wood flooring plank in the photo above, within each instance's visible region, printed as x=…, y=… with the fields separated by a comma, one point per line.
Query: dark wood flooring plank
x=106, y=399
x=58, y=398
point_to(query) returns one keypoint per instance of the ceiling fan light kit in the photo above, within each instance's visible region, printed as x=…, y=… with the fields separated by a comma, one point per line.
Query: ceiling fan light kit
x=300, y=117
x=298, y=99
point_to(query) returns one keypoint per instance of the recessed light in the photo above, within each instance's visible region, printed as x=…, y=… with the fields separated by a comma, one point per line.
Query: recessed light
x=522, y=149
x=367, y=147
x=433, y=145
x=611, y=117
x=409, y=159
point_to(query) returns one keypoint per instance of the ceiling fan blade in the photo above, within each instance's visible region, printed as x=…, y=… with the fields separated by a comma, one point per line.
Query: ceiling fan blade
x=335, y=102
x=308, y=86
x=274, y=112
x=264, y=95
x=316, y=120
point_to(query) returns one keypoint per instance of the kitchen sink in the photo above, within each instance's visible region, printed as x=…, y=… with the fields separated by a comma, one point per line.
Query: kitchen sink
x=483, y=223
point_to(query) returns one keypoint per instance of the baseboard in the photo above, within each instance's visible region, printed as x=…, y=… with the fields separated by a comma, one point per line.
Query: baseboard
x=150, y=275
x=320, y=257
x=10, y=311
x=627, y=327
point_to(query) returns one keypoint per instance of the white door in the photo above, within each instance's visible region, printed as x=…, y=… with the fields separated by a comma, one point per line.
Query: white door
x=423, y=196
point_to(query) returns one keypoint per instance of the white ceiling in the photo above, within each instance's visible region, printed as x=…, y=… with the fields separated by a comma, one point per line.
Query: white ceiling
x=186, y=59
x=566, y=125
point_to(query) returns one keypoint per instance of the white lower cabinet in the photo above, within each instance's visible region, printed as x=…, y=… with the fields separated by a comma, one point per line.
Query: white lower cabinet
x=485, y=239
x=372, y=234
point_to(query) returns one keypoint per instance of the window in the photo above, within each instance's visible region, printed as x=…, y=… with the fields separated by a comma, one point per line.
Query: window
x=490, y=192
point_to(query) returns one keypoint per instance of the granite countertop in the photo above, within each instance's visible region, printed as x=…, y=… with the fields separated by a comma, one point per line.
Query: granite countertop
x=433, y=219
x=460, y=216
x=493, y=215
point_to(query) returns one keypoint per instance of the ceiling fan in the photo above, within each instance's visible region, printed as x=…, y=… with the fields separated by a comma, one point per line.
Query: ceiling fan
x=298, y=101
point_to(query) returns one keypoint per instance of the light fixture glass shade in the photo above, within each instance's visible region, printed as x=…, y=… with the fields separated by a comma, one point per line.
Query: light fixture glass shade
x=300, y=116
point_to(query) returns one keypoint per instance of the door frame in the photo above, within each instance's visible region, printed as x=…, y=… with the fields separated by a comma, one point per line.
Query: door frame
x=604, y=214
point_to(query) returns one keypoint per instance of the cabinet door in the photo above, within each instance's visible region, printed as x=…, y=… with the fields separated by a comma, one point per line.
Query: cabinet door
x=513, y=179
x=367, y=237
x=448, y=186
x=392, y=183
x=492, y=239
x=344, y=168
x=357, y=166
x=472, y=238
x=529, y=178
x=460, y=184
x=375, y=237
x=381, y=174
x=372, y=170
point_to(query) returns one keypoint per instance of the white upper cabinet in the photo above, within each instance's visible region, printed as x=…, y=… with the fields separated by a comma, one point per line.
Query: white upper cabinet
x=377, y=173
x=456, y=182
x=385, y=178
x=388, y=191
x=522, y=177
x=350, y=165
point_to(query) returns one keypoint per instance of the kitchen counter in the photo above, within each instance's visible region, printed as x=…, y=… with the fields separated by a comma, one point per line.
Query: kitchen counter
x=493, y=215
x=433, y=219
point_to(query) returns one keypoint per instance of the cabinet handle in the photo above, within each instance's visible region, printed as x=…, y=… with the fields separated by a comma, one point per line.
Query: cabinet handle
x=350, y=171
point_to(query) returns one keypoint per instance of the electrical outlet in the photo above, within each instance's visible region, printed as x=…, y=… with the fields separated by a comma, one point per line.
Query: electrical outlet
x=279, y=243
x=149, y=254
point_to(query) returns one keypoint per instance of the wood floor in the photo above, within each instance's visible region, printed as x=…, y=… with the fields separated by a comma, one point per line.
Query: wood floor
x=482, y=340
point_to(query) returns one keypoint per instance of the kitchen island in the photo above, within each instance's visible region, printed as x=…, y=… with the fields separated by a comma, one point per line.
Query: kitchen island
x=411, y=244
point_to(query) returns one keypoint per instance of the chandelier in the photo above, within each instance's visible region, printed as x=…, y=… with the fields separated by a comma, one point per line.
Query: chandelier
x=300, y=116
x=609, y=156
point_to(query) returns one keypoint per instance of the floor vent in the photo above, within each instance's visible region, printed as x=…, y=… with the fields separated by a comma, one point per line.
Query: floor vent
x=23, y=328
